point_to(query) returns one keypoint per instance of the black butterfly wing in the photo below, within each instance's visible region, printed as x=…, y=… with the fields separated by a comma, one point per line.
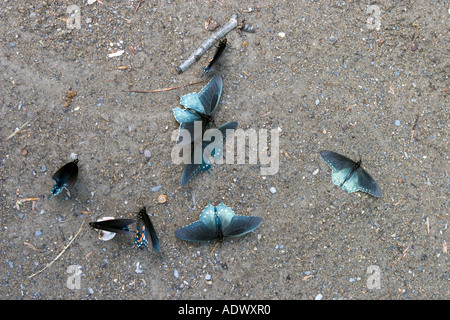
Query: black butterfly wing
x=149, y=230
x=67, y=175
x=336, y=161
x=114, y=225
x=209, y=96
x=241, y=225
x=191, y=169
x=366, y=183
x=196, y=231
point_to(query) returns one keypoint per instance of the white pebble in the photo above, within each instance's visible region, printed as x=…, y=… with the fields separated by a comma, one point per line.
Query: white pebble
x=273, y=190
x=318, y=297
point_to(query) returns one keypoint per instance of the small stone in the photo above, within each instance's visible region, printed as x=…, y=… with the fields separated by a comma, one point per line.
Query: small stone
x=273, y=190
x=208, y=277
x=282, y=34
x=38, y=233
x=175, y=273
x=317, y=101
x=43, y=168
x=318, y=297
x=397, y=123
x=24, y=151
x=147, y=154
x=156, y=188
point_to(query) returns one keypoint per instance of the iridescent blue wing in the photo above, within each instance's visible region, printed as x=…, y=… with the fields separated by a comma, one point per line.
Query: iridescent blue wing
x=241, y=225
x=191, y=169
x=225, y=214
x=65, y=177
x=191, y=101
x=203, y=230
x=196, y=231
x=234, y=225
x=114, y=225
x=145, y=230
x=218, y=152
x=184, y=115
x=336, y=161
x=364, y=182
x=209, y=96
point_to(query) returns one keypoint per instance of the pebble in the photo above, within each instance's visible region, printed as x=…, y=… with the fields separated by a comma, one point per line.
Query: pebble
x=397, y=123
x=208, y=277
x=273, y=190
x=318, y=297
x=156, y=188
x=317, y=101
x=147, y=154
x=38, y=233
x=43, y=168
x=175, y=273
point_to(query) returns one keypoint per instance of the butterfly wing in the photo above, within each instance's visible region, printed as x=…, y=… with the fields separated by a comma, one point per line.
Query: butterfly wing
x=191, y=169
x=203, y=230
x=337, y=161
x=116, y=225
x=366, y=183
x=192, y=101
x=196, y=231
x=209, y=96
x=67, y=175
x=241, y=225
x=226, y=214
x=145, y=230
x=184, y=115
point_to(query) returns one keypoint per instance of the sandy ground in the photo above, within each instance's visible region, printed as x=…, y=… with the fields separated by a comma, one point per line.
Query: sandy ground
x=315, y=71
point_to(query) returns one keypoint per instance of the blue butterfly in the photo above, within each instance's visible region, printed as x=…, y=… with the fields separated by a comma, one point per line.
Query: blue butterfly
x=192, y=168
x=218, y=223
x=65, y=178
x=199, y=107
x=145, y=230
x=349, y=175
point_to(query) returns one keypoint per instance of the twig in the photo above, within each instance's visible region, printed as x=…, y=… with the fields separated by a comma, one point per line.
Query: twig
x=415, y=37
x=403, y=254
x=17, y=130
x=232, y=24
x=60, y=254
x=414, y=128
x=164, y=89
x=139, y=4
x=19, y=202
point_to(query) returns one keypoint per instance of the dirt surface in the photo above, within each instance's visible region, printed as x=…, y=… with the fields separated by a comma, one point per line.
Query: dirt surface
x=315, y=71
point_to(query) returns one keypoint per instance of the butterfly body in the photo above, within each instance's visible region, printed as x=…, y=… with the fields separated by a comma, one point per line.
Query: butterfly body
x=65, y=178
x=145, y=230
x=199, y=106
x=349, y=175
x=218, y=223
x=216, y=56
x=192, y=168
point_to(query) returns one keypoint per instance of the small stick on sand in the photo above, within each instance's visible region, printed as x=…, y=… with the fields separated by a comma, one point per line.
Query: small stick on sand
x=163, y=89
x=60, y=254
x=232, y=24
